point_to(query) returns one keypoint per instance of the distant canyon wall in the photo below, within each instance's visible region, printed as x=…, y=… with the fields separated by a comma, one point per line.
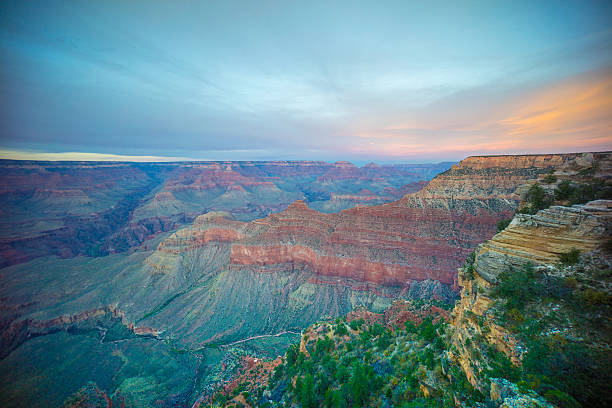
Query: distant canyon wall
x=99, y=208
x=424, y=235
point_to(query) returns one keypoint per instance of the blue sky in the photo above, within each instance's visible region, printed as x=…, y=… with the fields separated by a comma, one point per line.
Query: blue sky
x=334, y=80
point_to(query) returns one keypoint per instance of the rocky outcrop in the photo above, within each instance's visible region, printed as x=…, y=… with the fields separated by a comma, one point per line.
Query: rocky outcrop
x=538, y=240
x=18, y=331
x=399, y=313
x=209, y=227
x=543, y=237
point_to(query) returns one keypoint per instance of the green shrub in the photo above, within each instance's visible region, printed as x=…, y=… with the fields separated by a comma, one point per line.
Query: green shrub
x=469, y=272
x=341, y=329
x=537, y=199
x=502, y=224
x=561, y=399
x=517, y=287
x=570, y=258
x=594, y=297
x=582, y=193
x=356, y=324
x=516, y=315
x=410, y=327
x=292, y=354
x=501, y=366
x=550, y=177
x=427, y=330
x=564, y=190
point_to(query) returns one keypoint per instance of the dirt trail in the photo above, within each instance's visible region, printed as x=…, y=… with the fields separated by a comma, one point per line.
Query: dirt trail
x=259, y=337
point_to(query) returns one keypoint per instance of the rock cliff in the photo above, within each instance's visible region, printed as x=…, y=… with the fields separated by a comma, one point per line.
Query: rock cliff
x=222, y=279
x=424, y=235
x=304, y=264
x=522, y=289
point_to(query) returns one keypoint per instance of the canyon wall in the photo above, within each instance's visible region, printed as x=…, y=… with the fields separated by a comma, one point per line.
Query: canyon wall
x=424, y=235
x=99, y=208
x=538, y=293
x=304, y=264
x=538, y=240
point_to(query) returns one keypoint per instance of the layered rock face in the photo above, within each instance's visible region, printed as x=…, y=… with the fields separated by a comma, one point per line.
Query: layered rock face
x=538, y=240
x=542, y=238
x=425, y=235
x=308, y=264
x=222, y=279
x=303, y=264
x=96, y=208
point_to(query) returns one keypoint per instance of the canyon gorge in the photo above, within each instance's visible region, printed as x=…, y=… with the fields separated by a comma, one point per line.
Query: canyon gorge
x=182, y=260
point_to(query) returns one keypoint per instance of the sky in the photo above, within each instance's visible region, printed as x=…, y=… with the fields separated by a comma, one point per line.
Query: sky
x=385, y=81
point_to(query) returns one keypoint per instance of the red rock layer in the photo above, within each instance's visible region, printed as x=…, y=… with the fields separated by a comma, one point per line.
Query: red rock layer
x=425, y=235
x=358, y=268
x=205, y=177
x=401, y=312
x=211, y=227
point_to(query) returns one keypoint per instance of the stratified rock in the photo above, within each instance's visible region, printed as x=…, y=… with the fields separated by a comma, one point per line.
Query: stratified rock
x=543, y=237
x=538, y=240
x=236, y=279
x=425, y=235
x=99, y=208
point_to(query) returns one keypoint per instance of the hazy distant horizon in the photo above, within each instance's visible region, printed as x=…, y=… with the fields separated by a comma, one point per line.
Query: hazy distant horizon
x=95, y=157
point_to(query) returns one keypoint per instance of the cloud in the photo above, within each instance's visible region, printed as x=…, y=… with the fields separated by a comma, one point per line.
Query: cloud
x=83, y=156
x=572, y=114
x=301, y=80
x=580, y=105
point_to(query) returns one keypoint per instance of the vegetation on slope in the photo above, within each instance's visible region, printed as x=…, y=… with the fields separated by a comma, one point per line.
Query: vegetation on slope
x=362, y=363
x=561, y=318
x=578, y=189
x=559, y=315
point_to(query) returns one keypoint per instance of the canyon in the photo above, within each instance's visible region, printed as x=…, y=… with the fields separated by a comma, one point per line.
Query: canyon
x=99, y=208
x=531, y=327
x=182, y=272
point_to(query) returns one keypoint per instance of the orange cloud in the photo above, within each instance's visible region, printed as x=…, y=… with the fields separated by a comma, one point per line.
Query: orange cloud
x=580, y=107
x=570, y=115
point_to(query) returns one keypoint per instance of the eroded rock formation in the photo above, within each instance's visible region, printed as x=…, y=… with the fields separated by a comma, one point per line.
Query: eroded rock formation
x=95, y=208
x=537, y=240
x=425, y=235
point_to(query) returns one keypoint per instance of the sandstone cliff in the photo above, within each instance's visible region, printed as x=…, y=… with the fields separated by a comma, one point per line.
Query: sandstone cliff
x=303, y=264
x=567, y=303
x=222, y=280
